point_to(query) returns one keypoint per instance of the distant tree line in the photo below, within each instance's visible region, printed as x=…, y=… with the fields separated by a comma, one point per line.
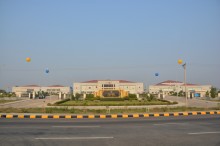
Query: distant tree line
x=213, y=92
x=3, y=93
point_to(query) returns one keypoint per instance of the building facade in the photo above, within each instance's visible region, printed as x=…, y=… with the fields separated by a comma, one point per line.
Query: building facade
x=108, y=88
x=31, y=90
x=167, y=87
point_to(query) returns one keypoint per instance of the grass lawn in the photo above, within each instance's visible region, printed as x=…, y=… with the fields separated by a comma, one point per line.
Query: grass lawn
x=101, y=111
x=112, y=103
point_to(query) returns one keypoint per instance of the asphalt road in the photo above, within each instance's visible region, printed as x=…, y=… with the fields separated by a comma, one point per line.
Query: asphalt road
x=165, y=131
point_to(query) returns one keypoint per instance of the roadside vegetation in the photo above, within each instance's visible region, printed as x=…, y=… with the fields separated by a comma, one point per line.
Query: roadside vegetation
x=66, y=110
x=131, y=100
x=113, y=103
x=8, y=95
x=3, y=93
x=213, y=93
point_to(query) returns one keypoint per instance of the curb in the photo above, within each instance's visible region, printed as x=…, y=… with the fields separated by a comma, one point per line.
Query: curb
x=103, y=116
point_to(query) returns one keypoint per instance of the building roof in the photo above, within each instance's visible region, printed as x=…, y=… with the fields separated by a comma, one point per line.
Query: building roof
x=96, y=81
x=171, y=82
x=56, y=86
x=42, y=86
x=30, y=86
x=91, y=81
x=124, y=81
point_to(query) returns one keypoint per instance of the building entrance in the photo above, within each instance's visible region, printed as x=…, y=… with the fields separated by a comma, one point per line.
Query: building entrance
x=111, y=93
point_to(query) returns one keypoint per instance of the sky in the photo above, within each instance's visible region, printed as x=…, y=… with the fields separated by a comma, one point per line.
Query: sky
x=80, y=40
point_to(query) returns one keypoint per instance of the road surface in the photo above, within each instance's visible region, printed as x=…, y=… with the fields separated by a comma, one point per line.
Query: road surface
x=166, y=131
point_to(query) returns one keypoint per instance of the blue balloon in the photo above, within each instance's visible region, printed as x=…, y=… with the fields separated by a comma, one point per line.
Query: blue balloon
x=47, y=71
x=156, y=74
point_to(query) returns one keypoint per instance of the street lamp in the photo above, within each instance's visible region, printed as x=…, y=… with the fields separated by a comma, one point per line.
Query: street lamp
x=184, y=67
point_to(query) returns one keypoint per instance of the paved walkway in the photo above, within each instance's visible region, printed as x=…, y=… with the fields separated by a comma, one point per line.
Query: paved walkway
x=193, y=102
x=30, y=103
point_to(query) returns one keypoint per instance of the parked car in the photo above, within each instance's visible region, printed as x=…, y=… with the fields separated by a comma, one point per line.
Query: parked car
x=41, y=97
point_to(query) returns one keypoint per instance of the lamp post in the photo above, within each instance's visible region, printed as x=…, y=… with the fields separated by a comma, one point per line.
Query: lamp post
x=184, y=67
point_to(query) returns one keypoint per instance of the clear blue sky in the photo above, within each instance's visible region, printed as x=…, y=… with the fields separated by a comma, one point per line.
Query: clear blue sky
x=81, y=40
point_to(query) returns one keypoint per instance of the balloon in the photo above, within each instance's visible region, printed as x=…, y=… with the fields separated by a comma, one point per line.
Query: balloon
x=156, y=74
x=47, y=71
x=180, y=61
x=28, y=59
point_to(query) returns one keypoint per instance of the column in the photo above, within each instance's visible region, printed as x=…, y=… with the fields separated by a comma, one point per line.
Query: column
x=60, y=95
x=34, y=95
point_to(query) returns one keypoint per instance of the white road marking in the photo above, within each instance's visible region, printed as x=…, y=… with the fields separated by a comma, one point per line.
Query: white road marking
x=197, y=133
x=20, y=127
x=205, y=123
x=73, y=138
x=170, y=124
x=75, y=126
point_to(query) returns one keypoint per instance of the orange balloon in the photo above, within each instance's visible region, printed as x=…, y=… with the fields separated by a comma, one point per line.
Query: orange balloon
x=28, y=59
x=180, y=61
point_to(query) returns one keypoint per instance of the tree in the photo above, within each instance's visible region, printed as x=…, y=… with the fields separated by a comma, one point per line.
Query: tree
x=213, y=92
x=72, y=97
x=77, y=96
x=181, y=93
x=2, y=91
x=207, y=94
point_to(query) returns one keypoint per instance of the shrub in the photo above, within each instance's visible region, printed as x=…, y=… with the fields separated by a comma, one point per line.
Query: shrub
x=151, y=97
x=181, y=93
x=111, y=99
x=72, y=110
x=62, y=101
x=90, y=97
x=175, y=102
x=49, y=110
x=73, y=97
x=132, y=97
x=165, y=101
x=97, y=98
x=126, y=98
x=23, y=110
x=85, y=103
x=78, y=96
x=49, y=104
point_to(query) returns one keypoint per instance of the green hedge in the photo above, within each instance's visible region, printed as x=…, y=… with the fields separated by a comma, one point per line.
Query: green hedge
x=112, y=99
x=62, y=101
x=113, y=103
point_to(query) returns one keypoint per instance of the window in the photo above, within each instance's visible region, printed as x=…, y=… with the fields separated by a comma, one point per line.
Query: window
x=108, y=85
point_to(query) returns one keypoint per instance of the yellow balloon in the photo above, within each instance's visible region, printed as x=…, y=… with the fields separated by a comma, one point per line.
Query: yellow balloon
x=28, y=59
x=180, y=61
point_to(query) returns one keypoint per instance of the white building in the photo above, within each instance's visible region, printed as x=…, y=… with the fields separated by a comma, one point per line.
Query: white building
x=31, y=90
x=169, y=86
x=108, y=88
